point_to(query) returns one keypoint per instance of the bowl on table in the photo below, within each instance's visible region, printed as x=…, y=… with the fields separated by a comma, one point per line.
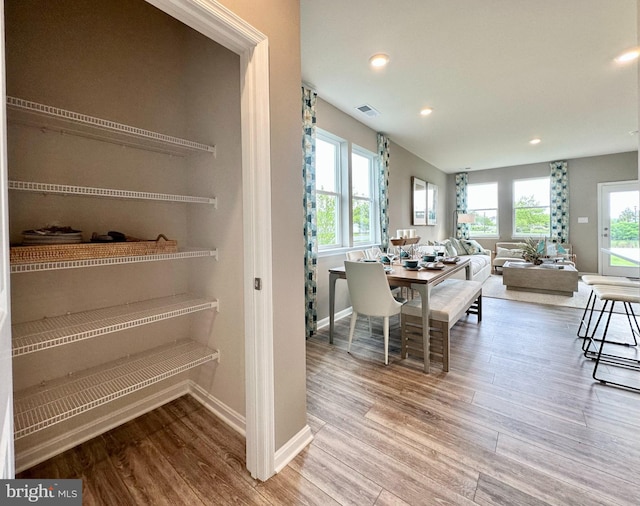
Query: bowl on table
x=429, y=258
x=410, y=264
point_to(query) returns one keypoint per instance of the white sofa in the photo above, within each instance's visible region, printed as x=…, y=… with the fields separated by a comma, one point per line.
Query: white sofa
x=480, y=259
x=480, y=267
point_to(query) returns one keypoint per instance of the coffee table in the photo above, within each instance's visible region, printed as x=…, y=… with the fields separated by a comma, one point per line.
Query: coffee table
x=553, y=280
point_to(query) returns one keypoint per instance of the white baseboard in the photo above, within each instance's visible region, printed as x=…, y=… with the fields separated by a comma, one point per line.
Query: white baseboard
x=288, y=451
x=57, y=445
x=339, y=315
x=233, y=419
x=229, y=416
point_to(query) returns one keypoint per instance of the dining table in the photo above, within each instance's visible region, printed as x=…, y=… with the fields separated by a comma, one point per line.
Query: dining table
x=421, y=280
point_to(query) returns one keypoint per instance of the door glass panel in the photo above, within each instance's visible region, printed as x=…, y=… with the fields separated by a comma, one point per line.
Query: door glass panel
x=623, y=226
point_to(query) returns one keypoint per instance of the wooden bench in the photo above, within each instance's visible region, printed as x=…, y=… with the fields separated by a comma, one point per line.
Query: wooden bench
x=448, y=302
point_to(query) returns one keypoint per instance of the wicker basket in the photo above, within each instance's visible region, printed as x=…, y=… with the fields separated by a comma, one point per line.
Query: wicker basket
x=84, y=251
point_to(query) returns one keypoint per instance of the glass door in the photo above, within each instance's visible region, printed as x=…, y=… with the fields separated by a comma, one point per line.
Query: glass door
x=619, y=249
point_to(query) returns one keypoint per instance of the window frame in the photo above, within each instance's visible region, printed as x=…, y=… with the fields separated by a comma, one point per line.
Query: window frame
x=345, y=197
x=516, y=234
x=476, y=211
x=373, y=198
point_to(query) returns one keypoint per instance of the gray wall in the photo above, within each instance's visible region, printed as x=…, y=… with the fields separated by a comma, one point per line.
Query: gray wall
x=584, y=176
x=402, y=165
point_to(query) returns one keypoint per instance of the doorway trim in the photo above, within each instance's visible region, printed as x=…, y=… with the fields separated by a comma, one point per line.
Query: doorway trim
x=221, y=25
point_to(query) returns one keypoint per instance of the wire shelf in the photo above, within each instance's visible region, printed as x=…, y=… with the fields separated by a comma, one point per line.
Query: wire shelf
x=30, y=337
x=63, y=189
x=97, y=262
x=43, y=406
x=63, y=120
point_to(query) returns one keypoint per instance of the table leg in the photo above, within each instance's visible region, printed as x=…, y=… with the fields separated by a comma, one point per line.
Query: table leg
x=332, y=303
x=425, y=291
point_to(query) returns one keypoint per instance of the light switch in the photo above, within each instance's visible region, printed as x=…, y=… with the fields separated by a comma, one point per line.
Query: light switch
x=583, y=219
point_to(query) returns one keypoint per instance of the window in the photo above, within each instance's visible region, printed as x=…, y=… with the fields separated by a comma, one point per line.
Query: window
x=482, y=202
x=347, y=210
x=328, y=191
x=531, y=213
x=363, y=197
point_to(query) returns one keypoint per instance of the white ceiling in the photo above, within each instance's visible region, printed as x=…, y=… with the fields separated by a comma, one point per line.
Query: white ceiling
x=497, y=73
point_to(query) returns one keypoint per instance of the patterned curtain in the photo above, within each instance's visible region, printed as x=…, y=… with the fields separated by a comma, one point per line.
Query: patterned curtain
x=462, y=229
x=383, y=175
x=559, y=202
x=309, y=98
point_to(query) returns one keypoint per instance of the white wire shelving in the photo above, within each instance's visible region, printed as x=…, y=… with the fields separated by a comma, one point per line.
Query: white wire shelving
x=97, y=262
x=63, y=189
x=38, y=335
x=45, y=405
x=65, y=121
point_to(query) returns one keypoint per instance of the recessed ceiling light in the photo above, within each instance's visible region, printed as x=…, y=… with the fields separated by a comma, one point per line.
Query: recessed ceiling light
x=379, y=60
x=535, y=141
x=426, y=111
x=628, y=56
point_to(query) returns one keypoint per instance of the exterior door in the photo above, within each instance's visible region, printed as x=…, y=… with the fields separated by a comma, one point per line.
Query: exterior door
x=619, y=249
x=7, y=465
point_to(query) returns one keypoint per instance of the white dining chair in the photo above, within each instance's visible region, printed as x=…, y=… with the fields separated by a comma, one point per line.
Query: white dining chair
x=355, y=255
x=371, y=296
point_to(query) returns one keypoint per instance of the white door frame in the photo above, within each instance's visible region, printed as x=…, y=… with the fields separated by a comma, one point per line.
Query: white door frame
x=7, y=456
x=603, y=268
x=224, y=27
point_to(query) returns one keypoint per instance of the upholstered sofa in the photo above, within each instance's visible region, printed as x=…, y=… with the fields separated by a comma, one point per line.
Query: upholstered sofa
x=479, y=256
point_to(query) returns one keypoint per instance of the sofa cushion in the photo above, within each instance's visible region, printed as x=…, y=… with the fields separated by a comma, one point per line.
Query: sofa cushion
x=509, y=253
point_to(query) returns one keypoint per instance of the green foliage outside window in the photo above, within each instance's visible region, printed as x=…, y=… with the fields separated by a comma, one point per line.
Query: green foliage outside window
x=530, y=219
x=624, y=230
x=327, y=219
x=361, y=219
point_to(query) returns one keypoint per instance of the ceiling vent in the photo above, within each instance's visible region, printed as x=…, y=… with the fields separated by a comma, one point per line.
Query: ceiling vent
x=368, y=110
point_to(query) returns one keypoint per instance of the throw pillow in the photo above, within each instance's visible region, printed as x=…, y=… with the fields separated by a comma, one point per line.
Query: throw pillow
x=509, y=253
x=449, y=248
x=457, y=244
x=472, y=247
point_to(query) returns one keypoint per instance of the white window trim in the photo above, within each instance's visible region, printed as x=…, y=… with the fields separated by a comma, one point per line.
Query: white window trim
x=345, y=211
x=373, y=198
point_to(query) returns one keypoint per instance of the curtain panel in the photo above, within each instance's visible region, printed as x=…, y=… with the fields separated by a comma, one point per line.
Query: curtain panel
x=383, y=185
x=309, y=99
x=462, y=229
x=559, y=202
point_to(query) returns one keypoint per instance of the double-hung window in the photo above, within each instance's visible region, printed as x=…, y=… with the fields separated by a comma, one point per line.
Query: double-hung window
x=482, y=203
x=363, y=193
x=346, y=194
x=531, y=207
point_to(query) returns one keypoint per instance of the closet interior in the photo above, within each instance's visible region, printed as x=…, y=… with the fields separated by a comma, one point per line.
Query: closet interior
x=121, y=123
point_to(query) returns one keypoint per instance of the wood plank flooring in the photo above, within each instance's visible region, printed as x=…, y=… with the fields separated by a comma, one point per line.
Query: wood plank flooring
x=517, y=420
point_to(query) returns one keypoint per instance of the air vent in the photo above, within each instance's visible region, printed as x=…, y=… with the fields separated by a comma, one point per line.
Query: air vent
x=368, y=110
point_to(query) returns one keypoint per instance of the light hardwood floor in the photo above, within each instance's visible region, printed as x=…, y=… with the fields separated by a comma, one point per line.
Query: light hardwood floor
x=518, y=420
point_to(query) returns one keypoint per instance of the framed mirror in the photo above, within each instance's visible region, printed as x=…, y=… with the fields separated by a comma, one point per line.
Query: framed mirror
x=432, y=203
x=418, y=201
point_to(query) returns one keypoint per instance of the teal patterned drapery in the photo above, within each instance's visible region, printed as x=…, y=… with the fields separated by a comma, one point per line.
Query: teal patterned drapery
x=462, y=229
x=383, y=184
x=309, y=98
x=559, y=202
